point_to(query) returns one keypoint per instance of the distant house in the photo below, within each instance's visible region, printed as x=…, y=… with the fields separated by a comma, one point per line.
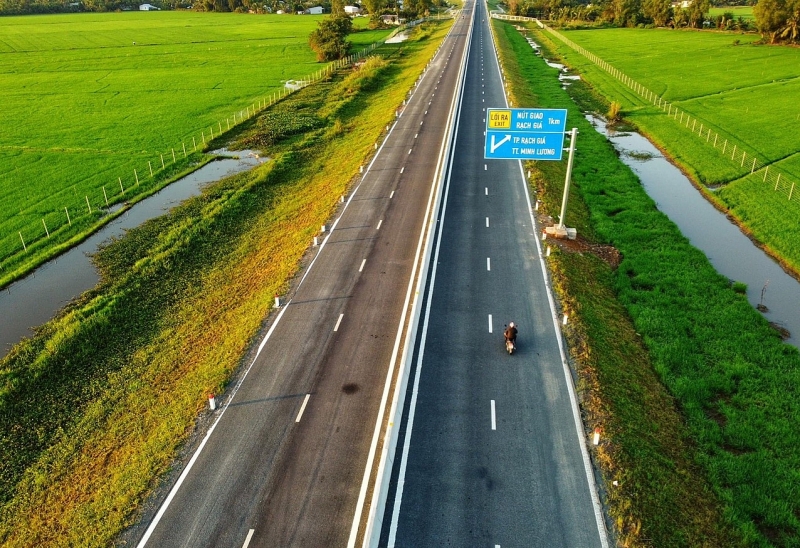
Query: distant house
x=316, y=10
x=148, y=7
x=390, y=19
x=352, y=10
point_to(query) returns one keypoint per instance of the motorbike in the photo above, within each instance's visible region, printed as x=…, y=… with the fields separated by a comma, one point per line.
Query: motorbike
x=510, y=345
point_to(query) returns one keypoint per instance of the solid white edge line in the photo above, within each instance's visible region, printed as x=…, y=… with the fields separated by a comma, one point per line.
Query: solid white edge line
x=360, y=268
x=190, y=464
x=249, y=537
x=302, y=408
x=494, y=417
x=415, y=391
x=336, y=327
x=576, y=413
x=167, y=501
x=372, y=529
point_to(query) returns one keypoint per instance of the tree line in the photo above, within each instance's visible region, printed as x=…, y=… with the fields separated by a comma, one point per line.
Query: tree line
x=776, y=20
x=404, y=8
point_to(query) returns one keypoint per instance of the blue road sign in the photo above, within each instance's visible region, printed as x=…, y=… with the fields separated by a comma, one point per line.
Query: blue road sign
x=525, y=134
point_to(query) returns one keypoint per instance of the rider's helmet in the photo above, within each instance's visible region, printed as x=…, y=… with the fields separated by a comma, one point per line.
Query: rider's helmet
x=511, y=324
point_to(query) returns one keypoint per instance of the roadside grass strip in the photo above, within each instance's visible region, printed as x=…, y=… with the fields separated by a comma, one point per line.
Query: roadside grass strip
x=94, y=409
x=696, y=395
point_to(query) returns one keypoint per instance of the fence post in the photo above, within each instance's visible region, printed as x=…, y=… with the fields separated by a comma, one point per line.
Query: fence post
x=25, y=247
x=105, y=195
x=68, y=219
x=173, y=155
x=151, y=168
x=765, y=174
x=195, y=144
x=120, y=184
x=733, y=154
x=743, y=155
x=777, y=181
x=184, y=149
x=790, y=192
x=162, y=162
x=754, y=166
x=48, y=232
x=88, y=205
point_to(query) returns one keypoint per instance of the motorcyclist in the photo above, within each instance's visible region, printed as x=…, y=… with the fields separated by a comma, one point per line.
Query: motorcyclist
x=511, y=334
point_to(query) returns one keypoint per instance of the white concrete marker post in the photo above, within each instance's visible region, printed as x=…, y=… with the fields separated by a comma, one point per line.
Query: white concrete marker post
x=596, y=437
x=212, y=402
x=277, y=302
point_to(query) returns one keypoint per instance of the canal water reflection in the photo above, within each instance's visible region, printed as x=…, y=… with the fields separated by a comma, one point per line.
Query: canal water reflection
x=36, y=299
x=732, y=253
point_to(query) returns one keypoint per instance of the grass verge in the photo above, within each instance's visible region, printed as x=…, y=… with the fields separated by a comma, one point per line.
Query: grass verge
x=95, y=406
x=695, y=393
x=733, y=86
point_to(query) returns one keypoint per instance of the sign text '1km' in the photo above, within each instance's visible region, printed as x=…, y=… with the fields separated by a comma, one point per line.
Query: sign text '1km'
x=525, y=133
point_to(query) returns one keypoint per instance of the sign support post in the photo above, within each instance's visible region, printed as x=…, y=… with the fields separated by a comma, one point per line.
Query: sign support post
x=532, y=134
x=572, y=136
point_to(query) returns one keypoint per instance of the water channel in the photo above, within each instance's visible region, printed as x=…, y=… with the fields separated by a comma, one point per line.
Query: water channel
x=731, y=252
x=35, y=299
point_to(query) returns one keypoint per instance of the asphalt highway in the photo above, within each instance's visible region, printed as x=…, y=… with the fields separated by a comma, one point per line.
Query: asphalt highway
x=283, y=463
x=491, y=447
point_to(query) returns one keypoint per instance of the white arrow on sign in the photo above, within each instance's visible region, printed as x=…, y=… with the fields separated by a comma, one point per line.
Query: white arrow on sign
x=494, y=146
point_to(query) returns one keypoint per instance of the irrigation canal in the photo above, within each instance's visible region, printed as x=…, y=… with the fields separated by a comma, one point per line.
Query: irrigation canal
x=37, y=298
x=732, y=253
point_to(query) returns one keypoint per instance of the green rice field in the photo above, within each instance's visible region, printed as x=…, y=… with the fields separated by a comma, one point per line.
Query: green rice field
x=745, y=92
x=745, y=12
x=89, y=98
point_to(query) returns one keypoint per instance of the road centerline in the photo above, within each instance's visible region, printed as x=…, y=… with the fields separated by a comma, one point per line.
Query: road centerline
x=494, y=417
x=336, y=327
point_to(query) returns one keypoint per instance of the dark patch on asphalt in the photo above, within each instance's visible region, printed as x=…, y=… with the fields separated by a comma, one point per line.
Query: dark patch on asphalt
x=350, y=388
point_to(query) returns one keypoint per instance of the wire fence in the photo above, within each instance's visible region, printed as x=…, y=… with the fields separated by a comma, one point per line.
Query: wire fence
x=733, y=151
x=97, y=206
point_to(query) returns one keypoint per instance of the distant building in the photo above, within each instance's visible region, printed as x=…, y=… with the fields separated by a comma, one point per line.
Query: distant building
x=316, y=10
x=390, y=19
x=352, y=10
x=148, y=7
